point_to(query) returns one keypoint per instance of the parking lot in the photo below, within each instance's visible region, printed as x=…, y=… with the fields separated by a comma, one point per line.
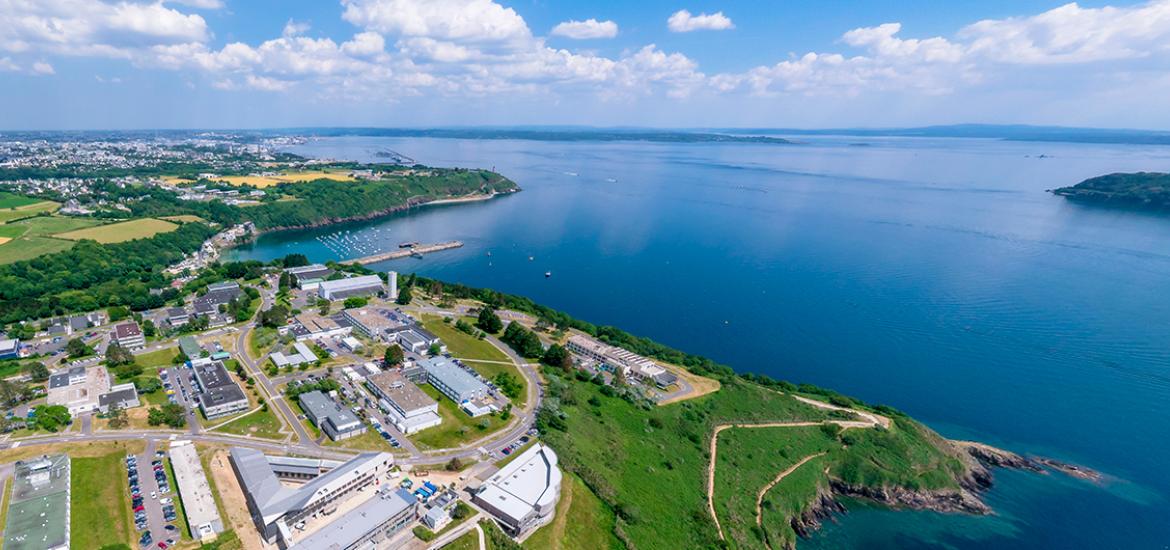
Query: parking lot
x=151, y=499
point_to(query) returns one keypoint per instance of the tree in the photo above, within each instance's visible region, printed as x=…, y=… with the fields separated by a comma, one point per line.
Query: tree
x=148, y=328
x=404, y=296
x=274, y=317
x=51, y=417
x=488, y=321
x=170, y=414
x=148, y=385
x=454, y=465
x=524, y=341
x=356, y=301
x=508, y=384
x=118, y=313
x=557, y=356
x=462, y=510
x=295, y=260
x=434, y=350
x=284, y=281
x=394, y=356
x=116, y=355
x=118, y=418
x=76, y=347
x=37, y=371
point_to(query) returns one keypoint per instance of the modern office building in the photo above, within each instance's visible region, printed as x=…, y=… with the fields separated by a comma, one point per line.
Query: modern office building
x=198, y=503
x=177, y=316
x=308, y=277
x=416, y=339
x=38, y=508
x=340, y=289
x=410, y=409
x=79, y=389
x=218, y=294
x=630, y=363
x=276, y=508
x=367, y=527
x=523, y=494
x=128, y=335
x=338, y=423
x=453, y=381
x=219, y=395
x=312, y=326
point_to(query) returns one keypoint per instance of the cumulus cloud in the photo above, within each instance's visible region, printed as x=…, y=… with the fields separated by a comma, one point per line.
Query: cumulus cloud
x=199, y=4
x=452, y=20
x=293, y=28
x=587, y=29
x=77, y=27
x=683, y=21
x=40, y=67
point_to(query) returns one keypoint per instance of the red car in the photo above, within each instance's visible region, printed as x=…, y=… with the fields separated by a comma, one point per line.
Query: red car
x=139, y=508
x=162, y=545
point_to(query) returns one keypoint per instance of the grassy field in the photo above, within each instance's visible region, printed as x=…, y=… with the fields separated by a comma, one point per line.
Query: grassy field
x=262, y=424
x=286, y=177
x=42, y=226
x=473, y=350
x=75, y=449
x=100, y=507
x=749, y=459
x=615, y=447
x=457, y=427
x=29, y=209
x=122, y=231
x=260, y=340
x=182, y=218
x=582, y=522
x=27, y=248
x=32, y=237
x=157, y=359
x=9, y=200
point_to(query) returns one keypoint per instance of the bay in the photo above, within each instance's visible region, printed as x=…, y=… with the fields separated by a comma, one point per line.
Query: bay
x=933, y=275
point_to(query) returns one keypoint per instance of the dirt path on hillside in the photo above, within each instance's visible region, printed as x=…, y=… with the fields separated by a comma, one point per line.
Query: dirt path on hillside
x=868, y=420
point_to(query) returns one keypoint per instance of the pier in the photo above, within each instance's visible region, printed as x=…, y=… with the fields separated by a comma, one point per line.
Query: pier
x=417, y=250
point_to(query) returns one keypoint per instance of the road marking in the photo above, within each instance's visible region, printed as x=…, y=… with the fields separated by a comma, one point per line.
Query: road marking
x=15, y=445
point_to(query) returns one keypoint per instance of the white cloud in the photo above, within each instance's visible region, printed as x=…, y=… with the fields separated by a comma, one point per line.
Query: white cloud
x=451, y=20
x=683, y=21
x=293, y=28
x=587, y=29
x=40, y=67
x=94, y=27
x=7, y=64
x=199, y=4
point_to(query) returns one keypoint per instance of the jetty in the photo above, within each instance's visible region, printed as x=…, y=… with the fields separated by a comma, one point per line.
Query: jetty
x=417, y=250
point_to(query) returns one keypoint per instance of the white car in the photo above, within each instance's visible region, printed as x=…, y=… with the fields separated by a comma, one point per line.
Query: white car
x=153, y=495
x=167, y=500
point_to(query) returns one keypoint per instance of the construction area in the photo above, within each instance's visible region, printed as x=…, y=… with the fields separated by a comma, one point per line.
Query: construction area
x=38, y=513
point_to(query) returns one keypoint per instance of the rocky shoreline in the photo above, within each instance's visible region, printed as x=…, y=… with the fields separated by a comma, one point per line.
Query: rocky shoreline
x=979, y=458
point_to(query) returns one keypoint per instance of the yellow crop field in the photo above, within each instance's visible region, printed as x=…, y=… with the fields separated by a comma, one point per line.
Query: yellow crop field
x=288, y=177
x=121, y=231
x=182, y=218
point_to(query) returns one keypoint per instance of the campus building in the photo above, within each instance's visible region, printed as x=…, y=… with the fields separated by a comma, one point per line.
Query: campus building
x=452, y=381
x=524, y=493
x=311, y=326
x=329, y=417
x=368, y=526
x=128, y=335
x=276, y=508
x=340, y=289
x=198, y=503
x=38, y=508
x=410, y=409
x=300, y=355
x=309, y=277
x=630, y=363
x=9, y=348
x=122, y=396
x=219, y=395
x=177, y=316
x=374, y=322
x=79, y=389
x=416, y=339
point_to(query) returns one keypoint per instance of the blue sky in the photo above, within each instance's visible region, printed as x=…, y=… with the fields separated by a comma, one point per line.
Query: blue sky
x=800, y=63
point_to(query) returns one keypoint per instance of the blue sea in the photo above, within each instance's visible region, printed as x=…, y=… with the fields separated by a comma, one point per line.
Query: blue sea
x=933, y=275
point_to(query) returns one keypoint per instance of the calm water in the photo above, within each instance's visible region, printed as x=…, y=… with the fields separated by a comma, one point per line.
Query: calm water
x=932, y=275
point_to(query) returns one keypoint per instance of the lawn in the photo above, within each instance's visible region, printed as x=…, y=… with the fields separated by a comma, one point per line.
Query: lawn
x=260, y=340
x=472, y=350
x=457, y=428
x=582, y=522
x=467, y=541
x=122, y=231
x=100, y=506
x=42, y=226
x=261, y=424
x=182, y=218
x=368, y=441
x=157, y=359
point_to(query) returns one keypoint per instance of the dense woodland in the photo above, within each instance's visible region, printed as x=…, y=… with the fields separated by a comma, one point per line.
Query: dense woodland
x=1140, y=189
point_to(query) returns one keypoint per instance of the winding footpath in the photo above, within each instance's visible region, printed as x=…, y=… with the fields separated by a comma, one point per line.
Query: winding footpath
x=868, y=420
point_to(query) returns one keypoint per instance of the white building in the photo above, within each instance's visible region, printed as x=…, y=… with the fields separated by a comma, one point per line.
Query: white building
x=79, y=389
x=524, y=493
x=198, y=503
x=410, y=409
x=340, y=289
x=129, y=335
x=301, y=354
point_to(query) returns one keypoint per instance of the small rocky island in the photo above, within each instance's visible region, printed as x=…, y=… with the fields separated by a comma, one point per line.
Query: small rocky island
x=1130, y=190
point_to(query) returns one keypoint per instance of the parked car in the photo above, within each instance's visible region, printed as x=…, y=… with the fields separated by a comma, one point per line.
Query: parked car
x=167, y=500
x=153, y=495
x=140, y=508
